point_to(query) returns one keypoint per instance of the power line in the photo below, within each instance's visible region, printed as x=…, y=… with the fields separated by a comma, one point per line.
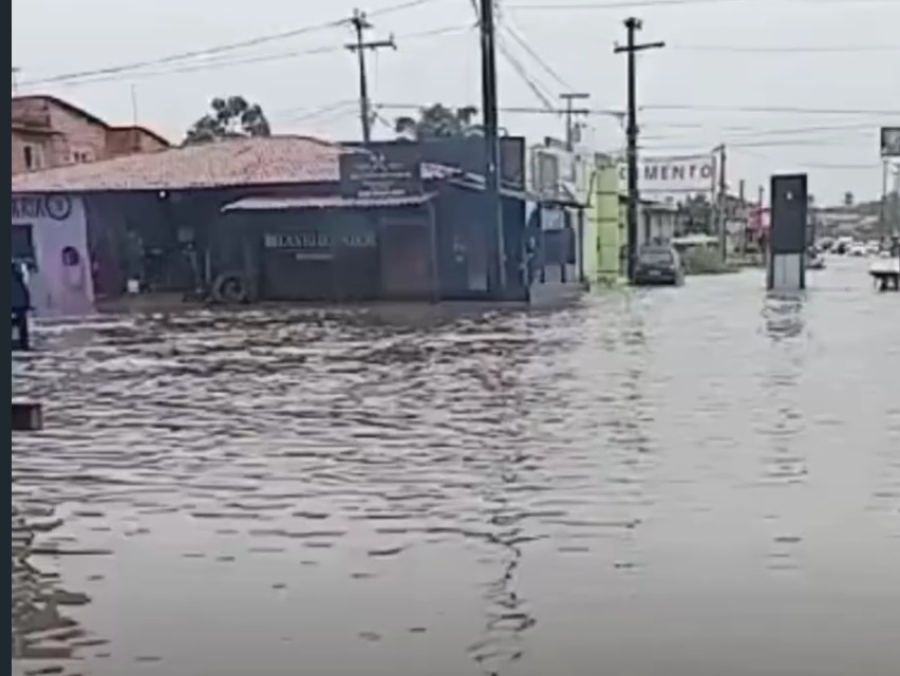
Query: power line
x=303, y=113
x=523, y=43
x=219, y=49
x=523, y=110
x=516, y=65
x=639, y=4
x=823, y=49
x=620, y=4
x=760, y=134
x=771, y=109
x=231, y=62
x=536, y=88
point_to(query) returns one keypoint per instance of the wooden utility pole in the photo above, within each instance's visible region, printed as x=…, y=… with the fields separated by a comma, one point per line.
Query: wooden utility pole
x=361, y=24
x=570, y=113
x=492, y=173
x=633, y=25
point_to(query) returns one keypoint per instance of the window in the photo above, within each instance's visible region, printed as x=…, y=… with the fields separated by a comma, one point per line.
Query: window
x=22, y=248
x=32, y=157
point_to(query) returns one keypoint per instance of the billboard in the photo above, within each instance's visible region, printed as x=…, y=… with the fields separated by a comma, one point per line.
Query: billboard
x=685, y=174
x=890, y=142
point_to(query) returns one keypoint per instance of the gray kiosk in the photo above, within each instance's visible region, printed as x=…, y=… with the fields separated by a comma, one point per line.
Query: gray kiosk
x=787, y=234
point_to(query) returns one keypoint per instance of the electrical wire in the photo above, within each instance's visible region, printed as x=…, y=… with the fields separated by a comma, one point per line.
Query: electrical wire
x=533, y=85
x=516, y=65
x=219, y=49
x=231, y=62
x=824, y=49
x=770, y=109
x=516, y=35
x=638, y=4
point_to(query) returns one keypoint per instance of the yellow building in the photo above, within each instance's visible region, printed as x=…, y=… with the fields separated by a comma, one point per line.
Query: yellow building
x=604, y=226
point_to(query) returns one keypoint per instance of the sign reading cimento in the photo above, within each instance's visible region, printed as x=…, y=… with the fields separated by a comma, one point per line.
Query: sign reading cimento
x=375, y=174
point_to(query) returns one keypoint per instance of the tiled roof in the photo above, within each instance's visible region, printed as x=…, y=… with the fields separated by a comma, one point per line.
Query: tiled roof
x=275, y=160
x=256, y=161
x=333, y=202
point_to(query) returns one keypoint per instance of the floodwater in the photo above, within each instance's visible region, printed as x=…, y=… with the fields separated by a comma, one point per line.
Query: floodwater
x=672, y=482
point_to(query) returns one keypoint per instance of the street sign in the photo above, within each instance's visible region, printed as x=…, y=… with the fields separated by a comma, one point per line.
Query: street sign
x=890, y=142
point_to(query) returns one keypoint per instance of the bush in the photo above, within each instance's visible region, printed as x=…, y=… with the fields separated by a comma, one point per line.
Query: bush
x=700, y=261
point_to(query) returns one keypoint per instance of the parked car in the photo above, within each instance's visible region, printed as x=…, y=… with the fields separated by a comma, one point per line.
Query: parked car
x=658, y=264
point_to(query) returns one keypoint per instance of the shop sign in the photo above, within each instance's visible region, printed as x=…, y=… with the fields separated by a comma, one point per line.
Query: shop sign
x=34, y=207
x=316, y=240
x=694, y=173
x=375, y=174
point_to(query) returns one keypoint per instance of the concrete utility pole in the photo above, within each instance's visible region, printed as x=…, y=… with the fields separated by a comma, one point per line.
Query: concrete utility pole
x=361, y=24
x=492, y=175
x=633, y=25
x=722, y=203
x=883, y=216
x=570, y=112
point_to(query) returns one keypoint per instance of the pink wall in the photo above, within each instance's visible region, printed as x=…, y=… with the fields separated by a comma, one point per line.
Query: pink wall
x=61, y=286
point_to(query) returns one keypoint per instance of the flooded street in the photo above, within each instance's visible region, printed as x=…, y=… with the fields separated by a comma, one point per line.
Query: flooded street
x=671, y=482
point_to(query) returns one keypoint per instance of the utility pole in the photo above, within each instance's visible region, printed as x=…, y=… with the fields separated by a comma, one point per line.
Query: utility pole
x=570, y=113
x=361, y=24
x=722, y=203
x=15, y=79
x=633, y=25
x=492, y=175
x=885, y=230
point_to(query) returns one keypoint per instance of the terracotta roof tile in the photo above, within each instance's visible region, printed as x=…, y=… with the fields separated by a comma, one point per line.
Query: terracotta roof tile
x=238, y=162
x=257, y=161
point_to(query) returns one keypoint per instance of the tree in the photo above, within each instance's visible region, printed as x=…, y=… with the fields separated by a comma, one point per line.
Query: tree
x=231, y=117
x=439, y=121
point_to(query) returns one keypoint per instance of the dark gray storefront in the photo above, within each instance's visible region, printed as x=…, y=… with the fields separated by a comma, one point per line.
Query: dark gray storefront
x=328, y=249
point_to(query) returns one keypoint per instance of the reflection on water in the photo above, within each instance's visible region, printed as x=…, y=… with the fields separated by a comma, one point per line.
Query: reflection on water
x=662, y=482
x=42, y=630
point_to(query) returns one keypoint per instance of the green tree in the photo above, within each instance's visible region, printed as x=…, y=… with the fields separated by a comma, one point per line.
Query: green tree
x=231, y=117
x=439, y=121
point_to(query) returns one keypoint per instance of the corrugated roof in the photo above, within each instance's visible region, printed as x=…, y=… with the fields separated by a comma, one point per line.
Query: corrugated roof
x=250, y=161
x=332, y=202
x=274, y=160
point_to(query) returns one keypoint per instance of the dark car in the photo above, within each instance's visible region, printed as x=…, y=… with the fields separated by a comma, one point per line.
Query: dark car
x=658, y=264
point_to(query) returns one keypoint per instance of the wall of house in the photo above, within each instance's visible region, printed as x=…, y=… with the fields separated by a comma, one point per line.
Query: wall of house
x=62, y=136
x=128, y=140
x=161, y=238
x=467, y=244
x=50, y=233
x=330, y=254
x=30, y=147
x=80, y=139
x=603, y=239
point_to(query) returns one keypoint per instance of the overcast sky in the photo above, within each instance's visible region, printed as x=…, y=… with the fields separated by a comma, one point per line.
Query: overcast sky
x=837, y=58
